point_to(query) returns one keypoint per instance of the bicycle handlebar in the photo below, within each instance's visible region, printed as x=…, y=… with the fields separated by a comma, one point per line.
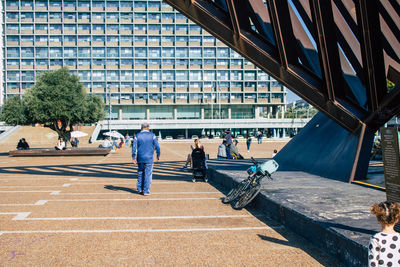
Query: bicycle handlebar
x=253, y=160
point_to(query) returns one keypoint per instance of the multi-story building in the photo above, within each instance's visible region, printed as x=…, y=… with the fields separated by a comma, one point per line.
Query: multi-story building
x=148, y=60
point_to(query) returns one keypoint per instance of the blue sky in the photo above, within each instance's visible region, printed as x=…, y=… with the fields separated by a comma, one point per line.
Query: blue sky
x=291, y=97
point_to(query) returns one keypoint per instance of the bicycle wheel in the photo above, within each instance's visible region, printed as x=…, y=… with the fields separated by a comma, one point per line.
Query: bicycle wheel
x=247, y=197
x=234, y=193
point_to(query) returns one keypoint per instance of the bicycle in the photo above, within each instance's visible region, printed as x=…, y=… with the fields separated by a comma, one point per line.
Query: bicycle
x=249, y=188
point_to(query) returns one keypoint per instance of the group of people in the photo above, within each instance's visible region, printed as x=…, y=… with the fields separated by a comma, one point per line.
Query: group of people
x=228, y=149
x=22, y=144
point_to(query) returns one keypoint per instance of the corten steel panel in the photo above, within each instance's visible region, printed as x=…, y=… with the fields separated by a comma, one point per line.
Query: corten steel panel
x=334, y=59
x=336, y=55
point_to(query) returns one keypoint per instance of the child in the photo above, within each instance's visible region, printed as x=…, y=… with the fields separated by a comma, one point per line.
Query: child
x=384, y=247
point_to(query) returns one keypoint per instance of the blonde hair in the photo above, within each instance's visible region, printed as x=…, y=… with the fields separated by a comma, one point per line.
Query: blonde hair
x=197, y=143
x=386, y=212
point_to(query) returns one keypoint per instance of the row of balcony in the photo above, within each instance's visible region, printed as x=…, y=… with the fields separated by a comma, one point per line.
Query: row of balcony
x=85, y=8
x=112, y=44
x=127, y=67
x=108, y=32
x=97, y=20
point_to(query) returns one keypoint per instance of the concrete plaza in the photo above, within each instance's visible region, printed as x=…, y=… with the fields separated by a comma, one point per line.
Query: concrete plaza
x=84, y=211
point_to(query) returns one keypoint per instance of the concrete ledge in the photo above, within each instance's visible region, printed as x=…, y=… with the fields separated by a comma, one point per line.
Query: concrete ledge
x=331, y=214
x=41, y=152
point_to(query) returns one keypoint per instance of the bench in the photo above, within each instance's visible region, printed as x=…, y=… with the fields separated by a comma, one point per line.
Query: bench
x=40, y=152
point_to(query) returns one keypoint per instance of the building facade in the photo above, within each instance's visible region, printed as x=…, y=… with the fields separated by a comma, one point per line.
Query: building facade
x=144, y=58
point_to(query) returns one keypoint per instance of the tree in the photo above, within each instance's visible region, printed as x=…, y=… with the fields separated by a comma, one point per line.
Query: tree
x=58, y=101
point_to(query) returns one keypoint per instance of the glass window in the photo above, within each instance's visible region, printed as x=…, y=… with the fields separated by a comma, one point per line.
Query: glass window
x=195, y=52
x=84, y=27
x=168, y=75
x=209, y=52
x=99, y=75
x=168, y=52
x=180, y=16
x=155, y=16
x=236, y=75
x=140, y=52
x=154, y=27
x=181, y=28
x=70, y=27
x=26, y=15
x=126, y=15
x=12, y=85
x=42, y=52
x=126, y=38
x=98, y=15
x=112, y=15
x=25, y=51
x=55, y=62
x=56, y=38
x=12, y=15
x=98, y=38
x=27, y=27
x=112, y=52
x=28, y=3
x=83, y=3
x=98, y=27
x=194, y=27
x=55, y=3
x=222, y=52
x=169, y=39
x=182, y=62
x=112, y=4
x=195, y=75
x=55, y=52
x=69, y=38
x=12, y=38
x=140, y=75
x=26, y=38
x=99, y=62
x=84, y=38
x=156, y=5
x=112, y=27
x=168, y=16
x=99, y=52
x=13, y=76
x=222, y=62
x=168, y=61
x=127, y=62
x=69, y=15
x=139, y=16
x=155, y=52
x=154, y=75
x=126, y=52
x=140, y=4
x=41, y=15
x=126, y=75
x=69, y=3
x=113, y=38
x=98, y=4
x=141, y=62
x=56, y=27
x=84, y=52
x=113, y=62
x=183, y=39
x=28, y=75
x=41, y=27
x=112, y=75
x=70, y=62
x=84, y=75
x=83, y=62
x=209, y=75
x=41, y=3
x=222, y=75
x=154, y=39
x=209, y=62
x=12, y=62
x=83, y=15
x=250, y=75
x=168, y=27
x=42, y=38
x=13, y=27
x=126, y=4
x=182, y=75
x=182, y=52
x=27, y=62
x=161, y=112
x=126, y=27
x=154, y=61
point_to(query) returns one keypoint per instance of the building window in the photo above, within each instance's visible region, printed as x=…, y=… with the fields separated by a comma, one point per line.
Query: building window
x=182, y=52
x=168, y=75
x=140, y=75
x=27, y=15
x=13, y=76
x=55, y=52
x=23, y=3
x=189, y=112
x=195, y=75
x=168, y=52
x=97, y=4
x=182, y=75
x=55, y=3
x=25, y=51
x=195, y=52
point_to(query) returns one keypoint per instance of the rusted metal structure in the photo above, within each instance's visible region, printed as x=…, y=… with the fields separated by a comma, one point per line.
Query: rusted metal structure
x=335, y=54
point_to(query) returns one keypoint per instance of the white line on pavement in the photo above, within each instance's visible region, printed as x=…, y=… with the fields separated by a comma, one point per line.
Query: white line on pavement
x=23, y=216
x=128, y=193
x=42, y=202
x=211, y=229
x=35, y=186
x=33, y=191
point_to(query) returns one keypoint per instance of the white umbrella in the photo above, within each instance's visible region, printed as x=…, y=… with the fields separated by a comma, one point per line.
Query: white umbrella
x=77, y=134
x=114, y=134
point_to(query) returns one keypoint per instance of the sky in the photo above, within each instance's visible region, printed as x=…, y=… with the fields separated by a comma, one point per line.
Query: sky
x=291, y=97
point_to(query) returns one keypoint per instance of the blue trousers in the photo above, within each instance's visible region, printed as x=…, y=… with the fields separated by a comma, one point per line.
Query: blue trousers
x=144, y=177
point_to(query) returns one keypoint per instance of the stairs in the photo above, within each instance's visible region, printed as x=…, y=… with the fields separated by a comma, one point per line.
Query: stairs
x=38, y=136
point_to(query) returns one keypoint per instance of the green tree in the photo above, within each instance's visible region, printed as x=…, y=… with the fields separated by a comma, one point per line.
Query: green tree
x=58, y=101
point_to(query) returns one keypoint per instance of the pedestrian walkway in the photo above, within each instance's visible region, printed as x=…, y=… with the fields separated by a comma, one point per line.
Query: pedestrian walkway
x=86, y=212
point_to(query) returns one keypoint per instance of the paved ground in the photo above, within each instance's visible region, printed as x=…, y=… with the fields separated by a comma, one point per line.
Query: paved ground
x=84, y=211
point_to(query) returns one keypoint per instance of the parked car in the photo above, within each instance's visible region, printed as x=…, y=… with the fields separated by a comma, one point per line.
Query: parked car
x=240, y=137
x=195, y=136
x=169, y=138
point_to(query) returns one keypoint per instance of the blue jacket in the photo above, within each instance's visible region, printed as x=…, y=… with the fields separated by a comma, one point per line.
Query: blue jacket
x=143, y=147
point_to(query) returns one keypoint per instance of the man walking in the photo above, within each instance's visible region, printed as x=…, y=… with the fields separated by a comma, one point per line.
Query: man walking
x=143, y=147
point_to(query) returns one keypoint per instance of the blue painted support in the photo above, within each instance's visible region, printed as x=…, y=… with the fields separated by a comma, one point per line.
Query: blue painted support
x=324, y=148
